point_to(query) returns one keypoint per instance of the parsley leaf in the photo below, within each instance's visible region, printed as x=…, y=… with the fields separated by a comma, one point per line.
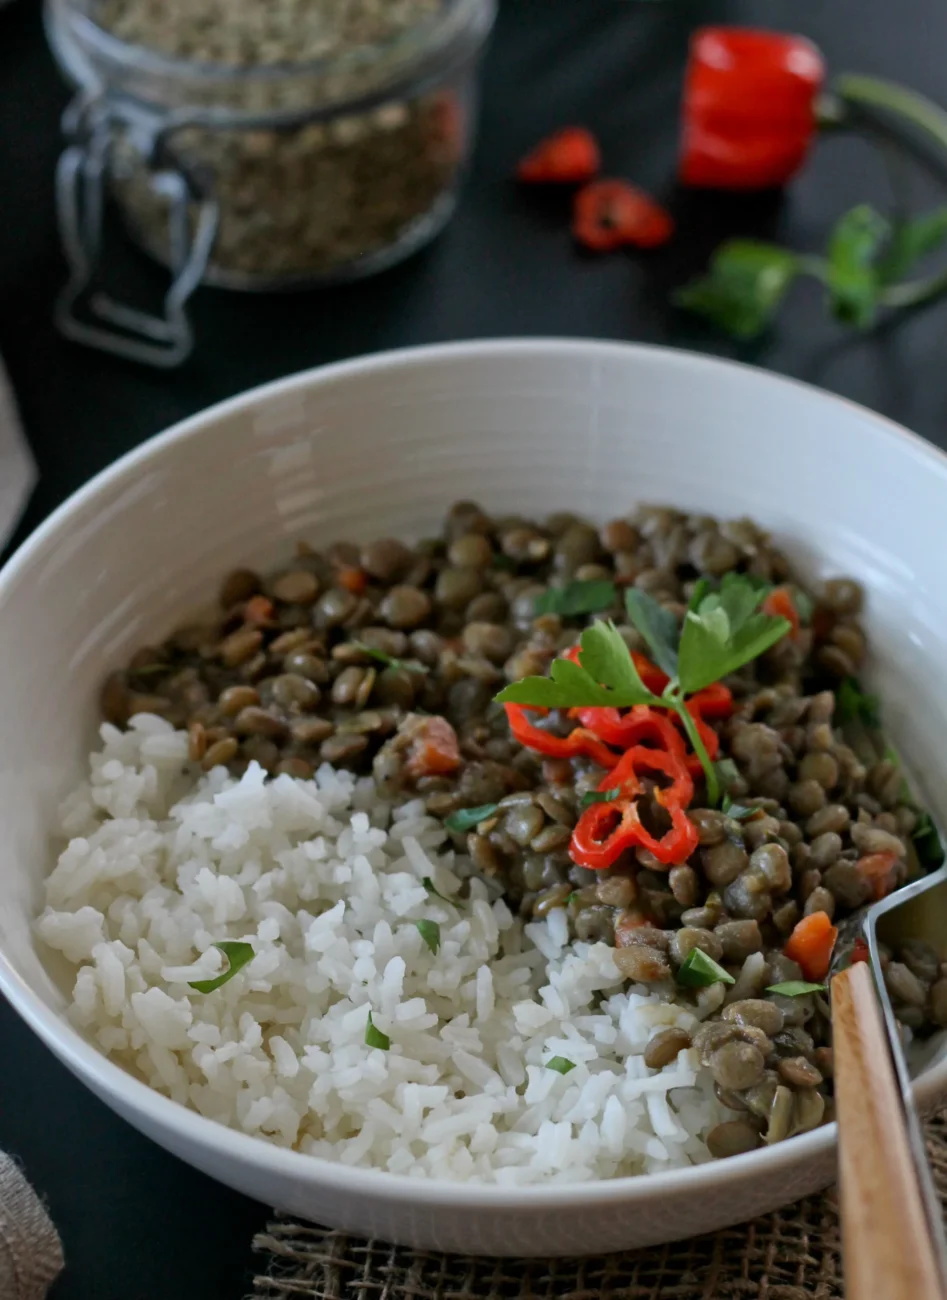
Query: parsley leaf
x=465, y=819
x=853, y=704
x=604, y=677
x=795, y=988
x=430, y=932
x=927, y=842
x=577, y=598
x=911, y=240
x=724, y=632
x=727, y=774
x=744, y=287
x=374, y=1037
x=560, y=1064
x=657, y=625
x=237, y=954
x=740, y=812
x=389, y=660
x=431, y=888
x=598, y=796
x=852, y=279
x=698, y=971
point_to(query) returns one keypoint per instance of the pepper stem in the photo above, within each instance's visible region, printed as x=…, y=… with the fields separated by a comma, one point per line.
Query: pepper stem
x=676, y=700
x=875, y=92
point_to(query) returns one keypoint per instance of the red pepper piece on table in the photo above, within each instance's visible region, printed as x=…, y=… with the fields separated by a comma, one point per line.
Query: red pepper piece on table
x=569, y=157
x=749, y=107
x=610, y=214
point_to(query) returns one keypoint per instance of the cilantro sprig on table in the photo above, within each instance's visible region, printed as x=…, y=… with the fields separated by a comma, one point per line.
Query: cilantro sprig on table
x=863, y=272
x=722, y=630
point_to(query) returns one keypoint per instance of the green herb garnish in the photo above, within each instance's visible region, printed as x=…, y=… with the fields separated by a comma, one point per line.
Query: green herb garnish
x=853, y=704
x=465, y=819
x=501, y=561
x=431, y=888
x=430, y=932
x=728, y=774
x=577, y=598
x=573, y=896
x=862, y=271
x=927, y=841
x=389, y=660
x=560, y=1064
x=698, y=971
x=740, y=812
x=374, y=1037
x=237, y=954
x=598, y=796
x=722, y=631
x=795, y=988
x=804, y=604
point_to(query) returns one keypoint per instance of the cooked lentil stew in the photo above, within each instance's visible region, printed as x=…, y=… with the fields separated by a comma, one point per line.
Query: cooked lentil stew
x=386, y=658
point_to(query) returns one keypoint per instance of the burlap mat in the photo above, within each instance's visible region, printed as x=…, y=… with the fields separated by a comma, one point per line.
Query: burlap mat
x=793, y=1254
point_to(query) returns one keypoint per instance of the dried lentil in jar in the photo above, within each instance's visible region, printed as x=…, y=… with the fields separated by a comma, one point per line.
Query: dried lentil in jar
x=340, y=127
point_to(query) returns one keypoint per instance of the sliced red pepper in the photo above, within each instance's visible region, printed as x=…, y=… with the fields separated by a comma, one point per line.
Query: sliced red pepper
x=580, y=741
x=609, y=214
x=779, y=604
x=569, y=157
x=606, y=830
x=878, y=870
x=859, y=951
x=749, y=107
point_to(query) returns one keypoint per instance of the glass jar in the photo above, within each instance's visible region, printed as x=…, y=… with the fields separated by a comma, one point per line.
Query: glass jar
x=238, y=166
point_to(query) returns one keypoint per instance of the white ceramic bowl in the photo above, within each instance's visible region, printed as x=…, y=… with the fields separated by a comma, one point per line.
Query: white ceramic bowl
x=382, y=446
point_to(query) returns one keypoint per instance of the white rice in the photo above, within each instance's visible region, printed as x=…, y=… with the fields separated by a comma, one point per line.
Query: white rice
x=325, y=882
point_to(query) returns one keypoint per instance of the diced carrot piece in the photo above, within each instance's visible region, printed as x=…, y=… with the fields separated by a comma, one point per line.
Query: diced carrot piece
x=434, y=749
x=352, y=579
x=779, y=604
x=878, y=870
x=811, y=944
x=258, y=611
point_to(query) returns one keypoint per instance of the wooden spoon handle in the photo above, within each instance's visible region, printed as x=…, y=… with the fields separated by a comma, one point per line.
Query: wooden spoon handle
x=887, y=1249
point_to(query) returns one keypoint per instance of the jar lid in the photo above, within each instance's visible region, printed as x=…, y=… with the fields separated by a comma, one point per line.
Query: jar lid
x=251, y=59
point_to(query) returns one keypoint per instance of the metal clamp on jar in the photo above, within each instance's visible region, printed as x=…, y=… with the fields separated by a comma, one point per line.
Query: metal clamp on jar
x=323, y=150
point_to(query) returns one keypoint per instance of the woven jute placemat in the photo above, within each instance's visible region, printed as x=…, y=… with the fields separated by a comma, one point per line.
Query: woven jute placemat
x=793, y=1254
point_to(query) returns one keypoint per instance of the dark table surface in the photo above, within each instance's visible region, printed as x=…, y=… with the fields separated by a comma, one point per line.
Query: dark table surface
x=136, y=1223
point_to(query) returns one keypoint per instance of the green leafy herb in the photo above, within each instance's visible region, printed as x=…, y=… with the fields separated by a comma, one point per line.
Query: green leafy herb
x=853, y=704
x=698, y=971
x=727, y=774
x=430, y=932
x=501, y=561
x=852, y=278
x=740, y=812
x=237, y=954
x=389, y=660
x=605, y=676
x=465, y=819
x=744, y=287
x=374, y=1037
x=927, y=841
x=431, y=888
x=795, y=988
x=560, y=1064
x=577, y=598
x=657, y=625
x=723, y=630
x=911, y=241
x=598, y=796
x=804, y=604
x=723, y=633
x=573, y=896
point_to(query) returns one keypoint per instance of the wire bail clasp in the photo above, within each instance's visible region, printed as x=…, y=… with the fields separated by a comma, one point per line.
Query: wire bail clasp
x=165, y=341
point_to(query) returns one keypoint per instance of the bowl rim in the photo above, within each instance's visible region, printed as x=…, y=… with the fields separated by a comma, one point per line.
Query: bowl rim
x=219, y=1140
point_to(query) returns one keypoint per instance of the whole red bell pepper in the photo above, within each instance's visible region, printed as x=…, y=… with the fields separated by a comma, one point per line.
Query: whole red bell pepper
x=749, y=107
